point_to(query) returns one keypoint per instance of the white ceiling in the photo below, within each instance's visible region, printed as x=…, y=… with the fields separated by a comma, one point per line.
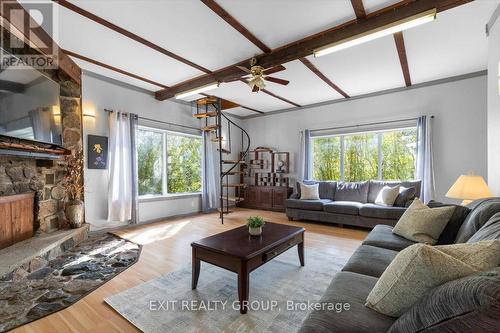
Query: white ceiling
x=454, y=44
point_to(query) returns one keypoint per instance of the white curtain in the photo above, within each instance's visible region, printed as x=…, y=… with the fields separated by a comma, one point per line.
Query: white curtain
x=305, y=155
x=425, y=161
x=122, y=192
x=210, y=190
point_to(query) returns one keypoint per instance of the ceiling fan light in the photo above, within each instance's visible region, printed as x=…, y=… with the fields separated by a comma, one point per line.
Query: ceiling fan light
x=389, y=29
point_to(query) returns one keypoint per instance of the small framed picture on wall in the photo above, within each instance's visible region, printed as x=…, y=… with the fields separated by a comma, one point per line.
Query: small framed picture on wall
x=97, y=152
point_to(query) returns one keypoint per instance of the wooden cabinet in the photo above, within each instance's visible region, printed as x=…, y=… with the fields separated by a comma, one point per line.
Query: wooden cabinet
x=16, y=218
x=266, y=197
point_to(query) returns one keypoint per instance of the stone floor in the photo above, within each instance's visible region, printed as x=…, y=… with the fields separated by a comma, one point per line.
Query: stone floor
x=30, y=293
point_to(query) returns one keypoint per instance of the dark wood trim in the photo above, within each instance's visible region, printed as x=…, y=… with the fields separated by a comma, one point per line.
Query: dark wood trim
x=129, y=34
x=306, y=46
x=40, y=37
x=10, y=143
x=400, y=46
x=359, y=9
x=121, y=71
x=241, y=106
x=280, y=98
x=265, y=91
x=323, y=77
x=217, y=9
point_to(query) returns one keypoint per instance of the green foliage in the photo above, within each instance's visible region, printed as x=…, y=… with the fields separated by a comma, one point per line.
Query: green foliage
x=255, y=222
x=361, y=156
x=149, y=162
x=184, y=164
x=326, y=158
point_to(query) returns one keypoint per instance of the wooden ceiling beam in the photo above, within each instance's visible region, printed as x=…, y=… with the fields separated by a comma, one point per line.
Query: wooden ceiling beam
x=137, y=38
x=323, y=77
x=306, y=46
x=359, y=9
x=400, y=46
x=115, y=69
x=217, y=9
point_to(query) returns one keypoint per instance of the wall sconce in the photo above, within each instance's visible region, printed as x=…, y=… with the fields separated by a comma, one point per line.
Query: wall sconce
x=88, y=111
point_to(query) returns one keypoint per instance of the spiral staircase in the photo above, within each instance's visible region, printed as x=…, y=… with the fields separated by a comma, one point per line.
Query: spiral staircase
x=220, y=127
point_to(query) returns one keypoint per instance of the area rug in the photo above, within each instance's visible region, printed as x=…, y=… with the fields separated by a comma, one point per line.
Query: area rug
x=58, y=283
x=280, y=292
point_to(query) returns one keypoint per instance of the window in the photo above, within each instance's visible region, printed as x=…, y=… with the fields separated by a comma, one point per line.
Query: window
x=168, y=162
x=385, y=155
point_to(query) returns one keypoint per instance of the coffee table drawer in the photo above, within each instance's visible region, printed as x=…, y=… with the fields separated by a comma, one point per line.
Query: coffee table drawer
x=281, y=248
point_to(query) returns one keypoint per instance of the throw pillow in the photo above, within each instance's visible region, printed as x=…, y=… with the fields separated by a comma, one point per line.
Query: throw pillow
x=422, y=224
x=451, y=230
x=419, y=268
x=405, y=195
x=472, y=301
x=491, y=230
x=309, y=192
x=387, y=195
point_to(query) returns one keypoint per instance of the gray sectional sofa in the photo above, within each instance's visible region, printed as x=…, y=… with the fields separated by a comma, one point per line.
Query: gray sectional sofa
x=470, y=304
x=348, y=203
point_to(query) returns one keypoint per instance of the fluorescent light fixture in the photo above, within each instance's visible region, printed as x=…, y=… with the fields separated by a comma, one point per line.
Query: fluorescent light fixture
x=197, y=90
x=382, y=31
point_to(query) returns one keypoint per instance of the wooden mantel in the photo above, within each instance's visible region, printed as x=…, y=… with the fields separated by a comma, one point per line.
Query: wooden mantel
x=28, y=146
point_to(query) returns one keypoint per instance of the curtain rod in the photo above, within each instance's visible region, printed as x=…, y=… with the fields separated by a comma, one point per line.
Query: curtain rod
x=366, y=124
x=160, y=121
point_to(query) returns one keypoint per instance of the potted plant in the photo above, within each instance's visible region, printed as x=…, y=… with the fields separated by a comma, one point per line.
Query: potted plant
x=254, y=224
x=73, y=185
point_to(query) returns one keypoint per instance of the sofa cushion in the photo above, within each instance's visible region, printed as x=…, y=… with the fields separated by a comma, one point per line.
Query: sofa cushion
x=489, y=231
x=326, y=189
x=422, y=224
x=370, y=260
x=376, y=185
x=309, y=192
x=451, y=230
x=381, y=212
x=405, y=195
x=307, y=204
x=343, y=207
x=470, y=304
x=419, y=268
x=349, y=288
x=482, y=211
x=352, y=191
x=382, y=236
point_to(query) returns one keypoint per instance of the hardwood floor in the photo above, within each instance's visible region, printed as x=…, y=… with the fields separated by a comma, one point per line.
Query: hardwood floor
x=167, y=248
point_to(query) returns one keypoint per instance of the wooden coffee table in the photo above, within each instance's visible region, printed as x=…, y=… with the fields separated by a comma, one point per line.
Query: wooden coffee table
x=238, y=252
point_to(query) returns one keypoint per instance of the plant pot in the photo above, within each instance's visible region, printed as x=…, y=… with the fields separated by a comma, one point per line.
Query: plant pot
x=255, y=231
x=74, y=213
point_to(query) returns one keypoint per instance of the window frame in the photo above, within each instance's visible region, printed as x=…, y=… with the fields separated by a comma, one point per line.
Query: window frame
x=379, y=134
x=165, y=195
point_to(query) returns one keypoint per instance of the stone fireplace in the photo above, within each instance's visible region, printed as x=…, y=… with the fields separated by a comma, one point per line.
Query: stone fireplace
x=20, y=174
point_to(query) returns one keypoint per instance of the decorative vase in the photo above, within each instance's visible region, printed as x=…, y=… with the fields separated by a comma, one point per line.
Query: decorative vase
x=74, y=213
x=255, y=231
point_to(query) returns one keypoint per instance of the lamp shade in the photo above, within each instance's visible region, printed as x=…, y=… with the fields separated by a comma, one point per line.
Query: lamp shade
x=469, y=187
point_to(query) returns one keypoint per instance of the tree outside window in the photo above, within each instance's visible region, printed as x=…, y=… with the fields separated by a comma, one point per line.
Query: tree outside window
x=385, y=155
x=168, y=162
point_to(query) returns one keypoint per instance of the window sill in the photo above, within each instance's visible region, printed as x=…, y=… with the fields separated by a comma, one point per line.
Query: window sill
x=169, y=197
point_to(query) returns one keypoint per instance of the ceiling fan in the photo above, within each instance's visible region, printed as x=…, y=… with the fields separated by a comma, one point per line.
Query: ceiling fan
x=256, y=75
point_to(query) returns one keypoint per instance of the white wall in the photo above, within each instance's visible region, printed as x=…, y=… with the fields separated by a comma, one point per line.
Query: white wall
x=99, y=95
x=494, y=109
x=460, y=127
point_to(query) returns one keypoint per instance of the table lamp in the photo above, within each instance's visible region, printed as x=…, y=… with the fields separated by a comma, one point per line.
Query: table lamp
x=468, y=188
